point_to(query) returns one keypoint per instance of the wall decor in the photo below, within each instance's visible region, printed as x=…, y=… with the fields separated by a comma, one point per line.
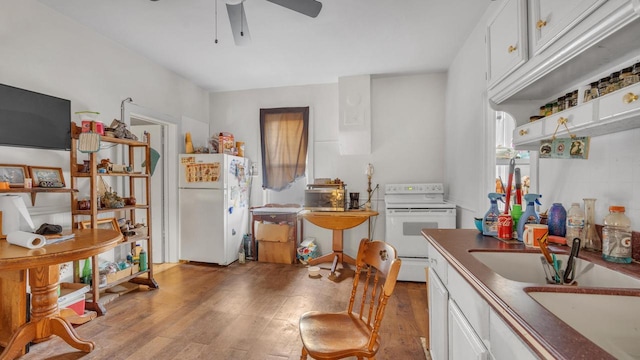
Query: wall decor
x=46, y=176
x=565, y=148
x=106, y=223
x=14, y=174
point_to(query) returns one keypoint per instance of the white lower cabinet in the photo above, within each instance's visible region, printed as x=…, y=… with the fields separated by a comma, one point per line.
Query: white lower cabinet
x=464, y=343
x=462, y=325
x=438, y=333
x=505, y=344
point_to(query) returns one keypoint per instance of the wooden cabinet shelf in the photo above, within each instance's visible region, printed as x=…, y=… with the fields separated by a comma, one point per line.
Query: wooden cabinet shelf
x=137, y=181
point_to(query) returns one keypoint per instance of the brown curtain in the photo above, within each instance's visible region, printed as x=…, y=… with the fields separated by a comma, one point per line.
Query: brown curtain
x=284, y=134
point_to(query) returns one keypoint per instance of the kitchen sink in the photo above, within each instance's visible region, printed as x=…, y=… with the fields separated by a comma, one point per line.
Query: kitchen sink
x=610, y=321
x=527, y=267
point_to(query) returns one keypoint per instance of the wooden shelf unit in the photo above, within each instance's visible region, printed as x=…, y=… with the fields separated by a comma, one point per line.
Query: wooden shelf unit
x=129, y=211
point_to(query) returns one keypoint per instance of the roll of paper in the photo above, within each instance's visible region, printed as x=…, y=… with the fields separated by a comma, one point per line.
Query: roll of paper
x=26, y=239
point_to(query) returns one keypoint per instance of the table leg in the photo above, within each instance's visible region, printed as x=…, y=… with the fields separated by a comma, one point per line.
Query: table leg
x=45, y=317
x=337, y=251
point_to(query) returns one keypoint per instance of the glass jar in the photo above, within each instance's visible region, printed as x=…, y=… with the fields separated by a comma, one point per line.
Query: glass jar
x=626, y=77
x=543, y=111
x=557, y=218
x=567, y=100
x=635, y=74
x=614, y=80
x=561, y=103
x=602, y=86
x=548, y=109
x=554, y=107
x=591, y=240
x=592, y=92
x=574, y=98
x=616, y=236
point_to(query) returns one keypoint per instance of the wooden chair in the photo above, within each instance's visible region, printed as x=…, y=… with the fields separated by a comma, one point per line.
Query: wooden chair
x=351, y=333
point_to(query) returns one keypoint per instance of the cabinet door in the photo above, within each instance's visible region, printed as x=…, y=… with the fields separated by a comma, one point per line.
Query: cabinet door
x=505, y=344
x=438, y=332
x=464, y=343
x=506, y=41
x=550, y=19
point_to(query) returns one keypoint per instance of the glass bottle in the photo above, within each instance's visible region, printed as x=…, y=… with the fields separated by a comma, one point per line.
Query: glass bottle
x=567, y=100
x=626, y=77
x=592, y=92
x=86, y=271
x=561, y=103
x=614, y=80
x=574, y=98
x=602, y=86
x=591, y=240
x=616, y=236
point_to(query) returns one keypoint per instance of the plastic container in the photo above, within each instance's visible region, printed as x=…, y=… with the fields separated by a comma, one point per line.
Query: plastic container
x=143, y=260
x=575, y=223
x=516, y=213
x=557, y=219
x=490, y=220
x=616, y=236
x=530, y=216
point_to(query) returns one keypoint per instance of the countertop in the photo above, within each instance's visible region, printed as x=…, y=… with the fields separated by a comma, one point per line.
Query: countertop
x=547, y=335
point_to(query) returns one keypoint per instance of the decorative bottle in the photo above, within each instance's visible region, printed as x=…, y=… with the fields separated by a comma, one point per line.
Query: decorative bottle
x=575, y=223
x=616, y=236
x=557, y=219
x=86, y=271
x=591, y=240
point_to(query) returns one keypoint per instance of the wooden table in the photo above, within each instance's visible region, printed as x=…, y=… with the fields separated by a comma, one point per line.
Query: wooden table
x=44, y=276
x=337, y=221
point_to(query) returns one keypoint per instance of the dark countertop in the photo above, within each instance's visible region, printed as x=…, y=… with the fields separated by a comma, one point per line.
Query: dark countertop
x=546, y=334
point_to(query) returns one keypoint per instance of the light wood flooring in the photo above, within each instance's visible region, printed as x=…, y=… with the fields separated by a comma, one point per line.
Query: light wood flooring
x=243, y=311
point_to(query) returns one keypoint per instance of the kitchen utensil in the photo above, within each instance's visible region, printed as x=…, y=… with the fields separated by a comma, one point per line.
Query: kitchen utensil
x=556, y=269
x=545, y=267
x=543, y=247
x=518, y=199
x=569, y=271
x=512, y=165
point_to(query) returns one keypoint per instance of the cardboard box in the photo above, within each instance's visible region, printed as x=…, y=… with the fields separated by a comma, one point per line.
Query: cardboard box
x=277, y=252
x=272, y=232
x=122, y=273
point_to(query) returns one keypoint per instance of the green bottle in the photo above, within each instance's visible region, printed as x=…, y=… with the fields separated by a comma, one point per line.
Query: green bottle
x=143, y=260
x=86, y=271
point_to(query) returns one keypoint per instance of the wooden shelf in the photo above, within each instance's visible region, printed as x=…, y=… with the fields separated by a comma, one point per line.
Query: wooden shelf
x=36, y=190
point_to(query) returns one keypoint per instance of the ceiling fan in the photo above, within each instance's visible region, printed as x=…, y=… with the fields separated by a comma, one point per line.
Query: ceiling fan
x=238, y=20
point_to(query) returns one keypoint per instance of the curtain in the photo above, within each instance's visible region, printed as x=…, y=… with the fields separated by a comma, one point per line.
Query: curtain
x=284, y=135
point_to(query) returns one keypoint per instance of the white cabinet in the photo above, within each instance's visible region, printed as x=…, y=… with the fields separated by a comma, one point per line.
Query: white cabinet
x=505, y=345
x=506, y=40
x=464, y=343
x=550, y=19
x=621, y=104
x=438, y=328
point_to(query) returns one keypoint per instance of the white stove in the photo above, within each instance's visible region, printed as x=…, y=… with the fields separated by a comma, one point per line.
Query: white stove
x=409, y=209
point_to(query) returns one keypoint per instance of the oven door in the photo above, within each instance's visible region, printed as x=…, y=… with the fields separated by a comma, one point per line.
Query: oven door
x=404, y=226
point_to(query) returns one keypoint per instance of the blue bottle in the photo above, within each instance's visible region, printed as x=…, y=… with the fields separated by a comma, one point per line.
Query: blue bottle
x=490, y=220
x=530, y=216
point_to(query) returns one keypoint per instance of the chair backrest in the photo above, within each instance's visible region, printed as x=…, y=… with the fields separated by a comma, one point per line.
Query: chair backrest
x=377, y=267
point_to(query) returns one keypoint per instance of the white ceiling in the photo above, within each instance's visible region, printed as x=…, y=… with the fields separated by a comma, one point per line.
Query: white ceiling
x=349, y=37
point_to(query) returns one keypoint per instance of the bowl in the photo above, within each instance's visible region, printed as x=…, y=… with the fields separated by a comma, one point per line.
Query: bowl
x=314, y=271
x=478, y=222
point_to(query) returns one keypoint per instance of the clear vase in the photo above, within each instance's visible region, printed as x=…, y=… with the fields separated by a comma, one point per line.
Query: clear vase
x=591, y=240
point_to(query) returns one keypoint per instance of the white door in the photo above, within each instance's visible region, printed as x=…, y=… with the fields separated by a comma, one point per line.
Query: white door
x=158, y=231
x=438, y=328
x=464, y=343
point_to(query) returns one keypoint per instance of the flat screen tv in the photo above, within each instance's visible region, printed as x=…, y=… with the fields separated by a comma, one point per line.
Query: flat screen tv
x=31, y=119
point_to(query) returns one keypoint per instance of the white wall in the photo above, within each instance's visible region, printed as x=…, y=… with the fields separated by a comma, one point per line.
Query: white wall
x=407, y=137
x=46, y=52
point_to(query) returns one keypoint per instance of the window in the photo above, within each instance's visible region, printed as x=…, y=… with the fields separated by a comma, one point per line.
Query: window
x=284, y=136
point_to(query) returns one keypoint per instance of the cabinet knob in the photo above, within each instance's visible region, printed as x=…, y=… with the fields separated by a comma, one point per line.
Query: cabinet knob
x=629, y=98
x=524, y=132
x=512, y=49
x=540, y=24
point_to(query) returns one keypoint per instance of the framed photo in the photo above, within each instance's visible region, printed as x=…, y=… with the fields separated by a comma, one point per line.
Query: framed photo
x=108, y=223
x=51, y=175
x=14, y=174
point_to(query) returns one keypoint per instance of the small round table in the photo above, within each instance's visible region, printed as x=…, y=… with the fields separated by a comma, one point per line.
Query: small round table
x=44, y=276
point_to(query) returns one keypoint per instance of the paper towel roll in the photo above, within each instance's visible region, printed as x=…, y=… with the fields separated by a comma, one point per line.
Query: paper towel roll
x=26, y=239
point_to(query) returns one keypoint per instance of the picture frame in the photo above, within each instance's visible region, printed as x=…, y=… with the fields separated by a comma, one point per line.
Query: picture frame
x=52, y=175
x=106, y=223
x=14, y=174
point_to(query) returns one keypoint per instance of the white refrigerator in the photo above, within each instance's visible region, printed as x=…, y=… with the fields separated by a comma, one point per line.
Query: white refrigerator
x=213, y=207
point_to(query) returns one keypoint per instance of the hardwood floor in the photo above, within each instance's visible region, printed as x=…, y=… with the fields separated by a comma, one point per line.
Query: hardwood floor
x=243, y=311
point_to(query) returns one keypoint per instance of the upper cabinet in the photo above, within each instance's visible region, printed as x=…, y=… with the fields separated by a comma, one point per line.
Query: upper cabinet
x=506, y=40
x=550, y=19
x=572, y=43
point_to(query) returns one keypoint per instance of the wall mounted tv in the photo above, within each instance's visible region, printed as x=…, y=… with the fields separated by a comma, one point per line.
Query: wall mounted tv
x=31, y=119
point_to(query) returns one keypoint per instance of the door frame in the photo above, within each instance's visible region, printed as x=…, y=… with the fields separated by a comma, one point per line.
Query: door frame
x=171, y=126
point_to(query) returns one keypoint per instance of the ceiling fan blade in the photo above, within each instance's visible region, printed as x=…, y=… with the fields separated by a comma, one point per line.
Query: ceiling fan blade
x=307, y=7
x=239, y=26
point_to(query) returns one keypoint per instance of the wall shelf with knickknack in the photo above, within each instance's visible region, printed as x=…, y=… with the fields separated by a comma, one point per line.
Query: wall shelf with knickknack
x=85, y=171
x=570, y=46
